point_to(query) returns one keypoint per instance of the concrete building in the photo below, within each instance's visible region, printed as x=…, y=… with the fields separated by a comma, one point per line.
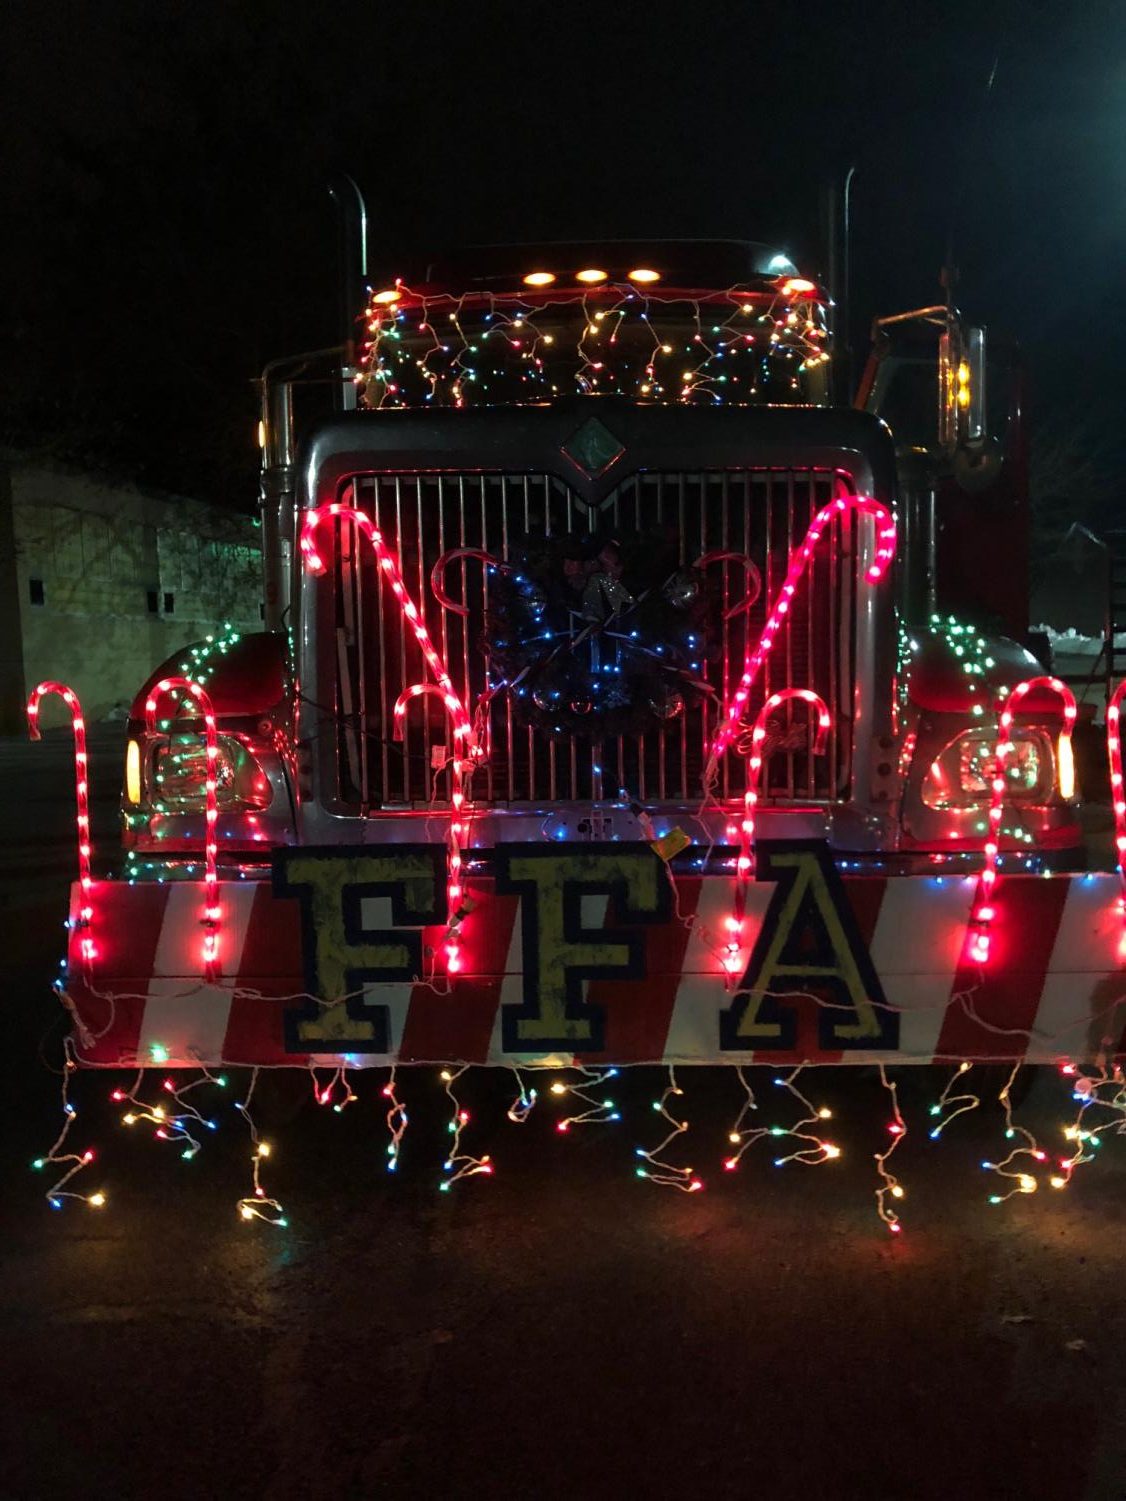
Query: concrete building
x=100, y=582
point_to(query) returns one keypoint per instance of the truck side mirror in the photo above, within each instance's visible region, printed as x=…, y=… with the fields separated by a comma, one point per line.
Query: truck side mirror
x=961, y=387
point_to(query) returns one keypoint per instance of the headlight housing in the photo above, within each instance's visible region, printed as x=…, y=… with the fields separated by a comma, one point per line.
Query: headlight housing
x=177, y=775
x=959, y=776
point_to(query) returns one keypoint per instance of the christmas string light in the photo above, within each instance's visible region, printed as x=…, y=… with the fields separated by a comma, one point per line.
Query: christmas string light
x=211, y=910
x=664, y=1173
x=83, y=922
x=72, y=1163
x=170, y=1116
x=396, y=1123
x=745, y=863
x=819, y=1150
x=984, y=908
x=800, y=561
x=889, y=1186
x=739, y=1136
x=466, y=749
x=258, y=1206
x=719, y=347
x=524, y=1103
x=458, y=1163
x=326, y=1094
x=598, y=1112
x=1023, y=1181
x=963, y=1102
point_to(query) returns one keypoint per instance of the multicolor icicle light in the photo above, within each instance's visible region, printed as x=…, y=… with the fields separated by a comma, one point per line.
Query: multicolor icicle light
x=81, y=798
x=799, y=563
x=745, y=864
x=984, y=909
x=466, y=750
x=211, y=914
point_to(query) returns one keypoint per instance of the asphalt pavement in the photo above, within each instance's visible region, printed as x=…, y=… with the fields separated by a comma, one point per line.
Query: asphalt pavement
x=560, y=1328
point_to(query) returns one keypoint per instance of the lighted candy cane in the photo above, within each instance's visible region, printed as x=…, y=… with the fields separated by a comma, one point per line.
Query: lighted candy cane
x=981, y=918
x=211, y=807
x=1117, y=790
x=81, y=798
x=745, y=864
x=885, y=551
x=458, y=828
x=462, y=726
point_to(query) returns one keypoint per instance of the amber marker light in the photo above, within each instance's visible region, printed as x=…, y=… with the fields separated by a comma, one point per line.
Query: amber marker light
x=590, y=275
x=392, y=294
x=133, y=772
x=539, y=278
x=644, y=277
x=795, y=286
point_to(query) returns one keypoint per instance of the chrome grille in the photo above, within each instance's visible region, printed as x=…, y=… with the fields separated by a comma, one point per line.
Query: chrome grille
x=762, y=513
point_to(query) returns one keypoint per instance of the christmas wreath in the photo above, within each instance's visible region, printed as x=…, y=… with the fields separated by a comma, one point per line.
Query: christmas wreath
x=598, y=634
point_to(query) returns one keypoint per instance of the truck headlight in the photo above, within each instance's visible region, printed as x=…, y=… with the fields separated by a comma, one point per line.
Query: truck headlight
x=960, y=774
x=178, y=775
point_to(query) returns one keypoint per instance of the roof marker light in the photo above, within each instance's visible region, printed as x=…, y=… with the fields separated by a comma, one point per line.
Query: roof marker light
x=644, y=276
x=391, y=295
x=539, y=278
x=795, y=286
x=590, y=275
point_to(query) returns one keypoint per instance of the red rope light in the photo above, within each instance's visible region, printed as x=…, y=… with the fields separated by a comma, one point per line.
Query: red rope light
x=211, y=913
x=81, y=798
x=753, y=662
x=465, y=753
x=745, y=864
x=984, y=909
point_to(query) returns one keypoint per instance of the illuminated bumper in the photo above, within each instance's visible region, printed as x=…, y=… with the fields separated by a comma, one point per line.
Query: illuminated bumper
x=588, y=955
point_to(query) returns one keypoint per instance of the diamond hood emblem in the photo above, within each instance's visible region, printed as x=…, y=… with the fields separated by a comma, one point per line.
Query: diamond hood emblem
x=592, y=448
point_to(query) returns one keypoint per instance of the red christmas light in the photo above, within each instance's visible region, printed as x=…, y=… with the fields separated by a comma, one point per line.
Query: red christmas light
x=81, y=798
x=211, y=912
x=466, y=749
x=745, y=864
x=756, y=656
x=1117, y=791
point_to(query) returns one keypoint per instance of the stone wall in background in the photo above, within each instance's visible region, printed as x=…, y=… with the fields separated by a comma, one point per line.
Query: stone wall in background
x=101, y=582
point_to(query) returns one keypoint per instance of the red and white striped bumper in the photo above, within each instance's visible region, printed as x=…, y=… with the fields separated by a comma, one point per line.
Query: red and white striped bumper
x=565, y=963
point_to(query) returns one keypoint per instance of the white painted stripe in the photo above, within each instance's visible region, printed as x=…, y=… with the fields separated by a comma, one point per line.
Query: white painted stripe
x=1086, y=975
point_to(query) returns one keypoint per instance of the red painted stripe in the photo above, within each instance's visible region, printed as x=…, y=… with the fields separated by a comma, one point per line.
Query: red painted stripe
x=1005, y=993
x=255, y=1026
x=273, y=939
x=458, y=1027
x=638, y=1012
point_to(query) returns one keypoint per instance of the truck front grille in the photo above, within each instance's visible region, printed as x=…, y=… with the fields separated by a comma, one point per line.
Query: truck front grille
x=763, y=513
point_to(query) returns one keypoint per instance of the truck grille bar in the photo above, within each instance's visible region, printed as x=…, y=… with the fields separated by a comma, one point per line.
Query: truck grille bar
x=761, y=513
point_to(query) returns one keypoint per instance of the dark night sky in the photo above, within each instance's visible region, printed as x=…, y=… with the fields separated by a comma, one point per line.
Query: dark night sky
x=167, y=229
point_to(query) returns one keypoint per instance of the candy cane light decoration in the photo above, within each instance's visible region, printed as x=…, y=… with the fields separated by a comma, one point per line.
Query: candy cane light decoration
x=455, y=842
x=211, y=913
x=864, y=505
x=81, y=798
x=745, y=864
x=984, y=908
x=1117, y=791
x=466, y=748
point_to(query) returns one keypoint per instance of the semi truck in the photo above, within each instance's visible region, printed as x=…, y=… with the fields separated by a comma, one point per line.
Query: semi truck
x=543, y=401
